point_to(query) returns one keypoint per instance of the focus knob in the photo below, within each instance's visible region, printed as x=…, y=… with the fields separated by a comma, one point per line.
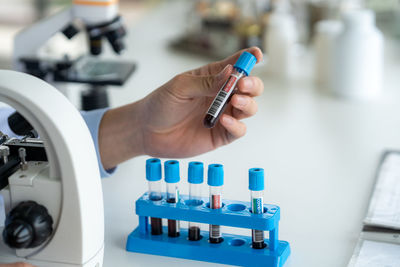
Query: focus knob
x=28, y=225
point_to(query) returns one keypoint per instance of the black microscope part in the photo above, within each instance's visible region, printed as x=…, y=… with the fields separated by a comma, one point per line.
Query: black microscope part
x=94, y=98
x=19, y=125
x=28, y=225
x=95, y=44
x=70, y=31
x=113, y=31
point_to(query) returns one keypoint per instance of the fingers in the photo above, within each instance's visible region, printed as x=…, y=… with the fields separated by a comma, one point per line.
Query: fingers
x=252, y=86
x=216, y=67
x=243, y=106
x=235, y=128
x=190, y=85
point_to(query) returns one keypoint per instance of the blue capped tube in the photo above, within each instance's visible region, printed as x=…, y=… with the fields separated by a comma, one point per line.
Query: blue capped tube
x=153, y=176
x=242, y=67
x=172, y=177
x=256, y=187
x=195, y=179
x=215, y=181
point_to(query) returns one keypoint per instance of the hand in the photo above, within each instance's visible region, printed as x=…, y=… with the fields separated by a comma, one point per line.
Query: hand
x=17, y=264
x=169, y=121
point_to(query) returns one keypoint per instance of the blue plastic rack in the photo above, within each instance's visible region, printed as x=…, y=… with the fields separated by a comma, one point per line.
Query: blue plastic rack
x=234, y=250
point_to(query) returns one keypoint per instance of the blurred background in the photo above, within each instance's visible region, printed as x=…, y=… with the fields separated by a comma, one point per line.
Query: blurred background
x=331, y=72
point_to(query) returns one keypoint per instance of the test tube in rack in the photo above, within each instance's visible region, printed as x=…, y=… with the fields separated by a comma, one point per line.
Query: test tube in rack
x=195, y=179
x=215, y=180
x=172, y=177
x=153, y=176
x=256, y=187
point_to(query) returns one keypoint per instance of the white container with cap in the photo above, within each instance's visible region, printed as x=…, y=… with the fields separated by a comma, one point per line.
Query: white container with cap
x=326, y=33
x=281, y=37
x=358, y=57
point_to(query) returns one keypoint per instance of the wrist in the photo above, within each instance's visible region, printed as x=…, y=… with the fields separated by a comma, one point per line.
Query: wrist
x=121, y=135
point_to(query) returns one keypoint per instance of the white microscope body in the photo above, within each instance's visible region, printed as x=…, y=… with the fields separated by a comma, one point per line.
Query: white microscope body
x=67, y=184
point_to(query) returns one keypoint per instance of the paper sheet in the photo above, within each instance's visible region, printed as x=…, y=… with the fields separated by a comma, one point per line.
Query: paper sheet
x=384, y=208
x=376, y=254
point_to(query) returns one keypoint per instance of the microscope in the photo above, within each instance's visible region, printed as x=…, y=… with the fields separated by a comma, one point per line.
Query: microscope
x=100, y=21
x=50, y=186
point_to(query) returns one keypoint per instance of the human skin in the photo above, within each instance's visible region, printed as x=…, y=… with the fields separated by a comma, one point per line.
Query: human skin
x=168, y=122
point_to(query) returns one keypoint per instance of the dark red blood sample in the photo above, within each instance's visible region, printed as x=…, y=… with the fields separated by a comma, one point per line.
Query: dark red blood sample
x=194, y=233
x=156, y=226
x=258, y=245
x=173, y=229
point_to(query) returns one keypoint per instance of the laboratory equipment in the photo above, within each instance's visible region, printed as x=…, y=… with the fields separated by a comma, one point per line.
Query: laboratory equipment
x=358, y=57
x=215, y=179
x=325, y=38
x=234, y=249
x=195, y=179
x=100, y=20
x=153, y=176
x=242, y=67
x=256, y=187
x=281, y=37
x=50, y=186
x=172, y=178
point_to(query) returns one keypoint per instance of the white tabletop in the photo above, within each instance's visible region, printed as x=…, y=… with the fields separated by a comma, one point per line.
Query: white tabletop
x=319, y=152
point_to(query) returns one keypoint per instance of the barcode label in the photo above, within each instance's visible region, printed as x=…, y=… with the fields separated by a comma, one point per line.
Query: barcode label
x=223, y=96
x=215, y=231
x=258, y=236
x=217, y=104
x=257, y=207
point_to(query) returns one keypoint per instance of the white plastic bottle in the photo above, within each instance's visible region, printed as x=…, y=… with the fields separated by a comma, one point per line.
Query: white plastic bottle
x=358, y=57
x=280, y=40
x=327, y=32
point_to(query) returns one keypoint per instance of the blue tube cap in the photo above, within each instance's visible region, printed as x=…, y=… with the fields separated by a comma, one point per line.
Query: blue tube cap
x=256, y=179
x=215, y=175
x=196, y=172
x=246, y=62
x=171, y=171
x=153, y=169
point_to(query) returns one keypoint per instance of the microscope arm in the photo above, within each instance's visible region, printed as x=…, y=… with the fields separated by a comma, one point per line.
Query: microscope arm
x=28, y=41
x=79, y=234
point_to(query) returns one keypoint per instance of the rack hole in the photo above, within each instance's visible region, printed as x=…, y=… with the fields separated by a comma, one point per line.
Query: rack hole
x=236, y=207
x=208, y=205
x=265, y=210
x=194, y=202
x=237, y=242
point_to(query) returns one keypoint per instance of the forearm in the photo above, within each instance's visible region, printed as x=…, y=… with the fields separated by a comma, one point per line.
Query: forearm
x=121, y=134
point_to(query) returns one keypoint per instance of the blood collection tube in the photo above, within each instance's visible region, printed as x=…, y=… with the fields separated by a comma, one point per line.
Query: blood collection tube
x=171, y=170
x=195, y=179
x=153, y=176
x=215, y=181
x=256, y=187
x=242, y=67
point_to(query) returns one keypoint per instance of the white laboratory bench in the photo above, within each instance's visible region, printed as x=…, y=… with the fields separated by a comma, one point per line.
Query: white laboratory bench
x=319, y=152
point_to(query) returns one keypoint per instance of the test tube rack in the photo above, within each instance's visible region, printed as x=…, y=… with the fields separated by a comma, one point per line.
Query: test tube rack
x=234, y=250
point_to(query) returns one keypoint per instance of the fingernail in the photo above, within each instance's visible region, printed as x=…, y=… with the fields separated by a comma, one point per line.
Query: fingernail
x=227, y=69
x=227, y=119
x=241, y=101
x=248, y=83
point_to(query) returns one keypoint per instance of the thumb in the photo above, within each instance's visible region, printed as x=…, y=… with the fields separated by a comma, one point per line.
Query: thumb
x=205, y=85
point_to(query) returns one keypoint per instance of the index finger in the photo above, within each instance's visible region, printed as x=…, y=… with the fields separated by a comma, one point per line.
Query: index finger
x=216, y=67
